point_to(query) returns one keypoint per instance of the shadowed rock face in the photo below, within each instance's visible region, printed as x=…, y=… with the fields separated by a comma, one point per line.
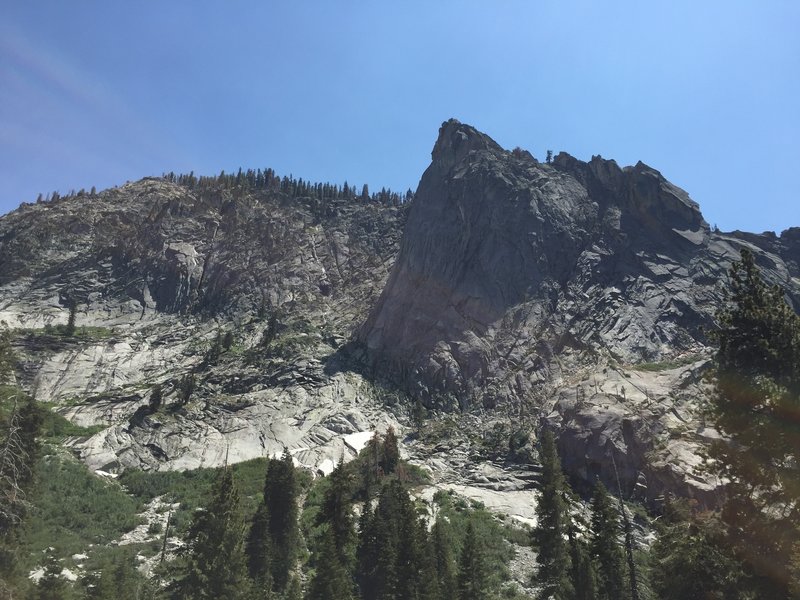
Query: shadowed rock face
x=577, y=254
x=534, y=291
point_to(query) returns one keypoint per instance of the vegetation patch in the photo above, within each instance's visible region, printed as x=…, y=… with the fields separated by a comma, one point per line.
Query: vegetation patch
x=668, y=364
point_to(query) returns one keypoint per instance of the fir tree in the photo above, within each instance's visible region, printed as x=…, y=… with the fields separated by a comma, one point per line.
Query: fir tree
x=442, y=551
x=370, y=458
x=293, y=590
x=367, y=553
x=336, y=511
x=280, y=496
x=583, y=576
x=258, y=550
x=472, y=569
x=330, y=580
x=387, y=577
x=605, y=546
x=692, y=559
x=549, y=537
x=73, y=309
x=51, y=586
x=390, y=453
x=758, y=400
x=216, y=566
x=428, y=585
x=410, y=552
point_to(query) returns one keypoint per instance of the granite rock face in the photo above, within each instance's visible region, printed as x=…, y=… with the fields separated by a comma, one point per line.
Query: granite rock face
x=514, y=276
x=157, y=272
x=500, y=249
x=510, y=293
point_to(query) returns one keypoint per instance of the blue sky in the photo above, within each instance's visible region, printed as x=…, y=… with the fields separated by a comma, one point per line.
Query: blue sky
x=97, y=93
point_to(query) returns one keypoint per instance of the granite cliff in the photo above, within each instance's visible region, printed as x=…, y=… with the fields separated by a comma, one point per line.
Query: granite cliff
x=580, y=294
x=509, y=294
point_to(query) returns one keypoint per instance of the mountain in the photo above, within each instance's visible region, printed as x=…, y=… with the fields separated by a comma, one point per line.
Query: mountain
x=157, y=271
x=565, y=292
x=509, y=294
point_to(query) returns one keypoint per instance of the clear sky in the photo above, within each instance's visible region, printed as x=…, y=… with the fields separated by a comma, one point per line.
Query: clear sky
x=97, y=92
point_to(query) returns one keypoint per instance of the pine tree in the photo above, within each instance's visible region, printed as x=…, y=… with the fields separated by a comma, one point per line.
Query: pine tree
x=605, y=546
x=390, y=454
x=582, y=574
x=472, y=569
x=758, y=398
x=73, y=309
x=330, y=578
x=293, y=590
x=280, y=496
x=51, y=586
x=19, y=450
x=336, y=511
x=216, y=566
x=442, y=544
x=549, y=536
x=258, y=550
x=410, y=552
x=8, y=357
x=692, y=559
x=367, y=553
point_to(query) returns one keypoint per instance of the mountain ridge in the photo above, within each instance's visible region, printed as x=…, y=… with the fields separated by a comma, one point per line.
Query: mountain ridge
x=572, y=295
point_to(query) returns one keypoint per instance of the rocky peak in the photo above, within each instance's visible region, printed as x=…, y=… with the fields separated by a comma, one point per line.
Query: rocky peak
x=535, y=289
x=527, y=290
x=608, y=257
x=456, y=140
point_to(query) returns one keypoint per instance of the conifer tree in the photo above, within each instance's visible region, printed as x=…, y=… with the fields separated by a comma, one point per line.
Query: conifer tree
x=216, y=566
x=331, y=579
x=19, y=450
x=293, y=589
x=390, y=455
x=442, y=544
x=549, y=536
x=280, y=497
x=756, y=407
x=367, y=553
x=605, y=546
x=583, y=576
x=370, y=459
x=73, y=309
x=51, y=586
x=428, y=585
x=692, y=559
x=472, y=569
x=337, y=513
x=410, y=552
x=258, y=550
x=386, y=575
x=8, y=357
x=186, y=388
